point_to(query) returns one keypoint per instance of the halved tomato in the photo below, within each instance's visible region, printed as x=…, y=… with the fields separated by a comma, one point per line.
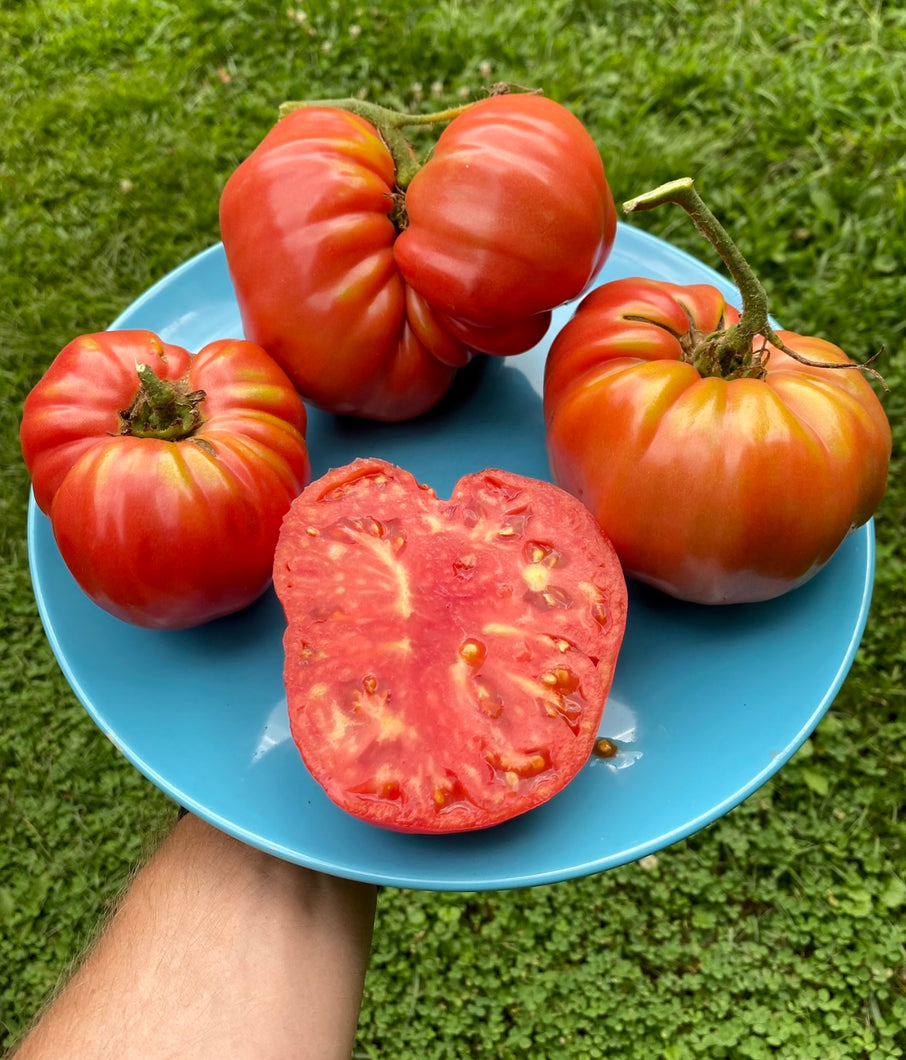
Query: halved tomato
x=447, y=661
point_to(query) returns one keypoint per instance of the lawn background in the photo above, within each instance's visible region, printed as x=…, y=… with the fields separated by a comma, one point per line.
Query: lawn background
x=777, y=931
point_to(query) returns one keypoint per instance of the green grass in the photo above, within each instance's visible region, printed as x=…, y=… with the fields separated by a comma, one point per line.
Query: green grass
x=779, y=930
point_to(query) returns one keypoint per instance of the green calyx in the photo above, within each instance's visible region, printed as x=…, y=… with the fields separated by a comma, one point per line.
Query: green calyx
x=728, y=353
x=162, y=409
x=389, y=123
x=732, y=352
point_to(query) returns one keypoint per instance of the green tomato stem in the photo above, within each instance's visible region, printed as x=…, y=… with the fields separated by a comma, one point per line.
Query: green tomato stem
x=162, y=409
x=729, y=352
x=390, y=125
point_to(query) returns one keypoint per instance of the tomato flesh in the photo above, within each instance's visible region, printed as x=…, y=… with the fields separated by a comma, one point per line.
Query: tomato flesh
x=447, y=662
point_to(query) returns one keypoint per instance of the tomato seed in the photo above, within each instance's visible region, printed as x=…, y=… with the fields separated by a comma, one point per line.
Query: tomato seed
x=497, y=489
x=538, y=764
x=557, y=598
x=605, y=748
x=386, y=791
x=369, y=683
x=518, y=765
x=565, y=681
x=365, y=524
x=450, y=793
x=513, y=527
x=552, y=598
x=473, y=652
x=539, y=552
x=562, y=707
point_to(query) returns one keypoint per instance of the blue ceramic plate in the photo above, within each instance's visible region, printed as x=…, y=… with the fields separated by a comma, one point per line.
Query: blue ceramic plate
x=707, y=703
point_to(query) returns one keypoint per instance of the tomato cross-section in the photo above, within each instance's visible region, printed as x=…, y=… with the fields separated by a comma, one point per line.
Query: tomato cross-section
x=447, y=661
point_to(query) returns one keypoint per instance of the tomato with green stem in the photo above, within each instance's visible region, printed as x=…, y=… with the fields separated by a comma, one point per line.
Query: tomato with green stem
x=372, y=278
x=165, y=475
x=725, y=460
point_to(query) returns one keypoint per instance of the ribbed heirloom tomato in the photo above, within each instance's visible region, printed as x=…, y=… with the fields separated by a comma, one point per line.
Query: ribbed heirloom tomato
x=165, y=474
x=726, y=462
x=371, y=279
x=447, y=661
x=510, y=217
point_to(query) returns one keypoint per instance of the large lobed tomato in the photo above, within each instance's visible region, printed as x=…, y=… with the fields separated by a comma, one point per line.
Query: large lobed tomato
x=715, y=490
x=511, y=217
x=165, y=475
x=447, y=661
x=371, y=286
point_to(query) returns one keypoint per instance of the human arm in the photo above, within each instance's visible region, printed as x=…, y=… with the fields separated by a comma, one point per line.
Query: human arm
x=218, y=950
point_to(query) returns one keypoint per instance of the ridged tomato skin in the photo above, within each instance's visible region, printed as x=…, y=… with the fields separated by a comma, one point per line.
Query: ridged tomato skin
x=511, y=217
x=371, y=296
x=714, y=490
x=165, y=534
x=447, y=662
x=306, y=229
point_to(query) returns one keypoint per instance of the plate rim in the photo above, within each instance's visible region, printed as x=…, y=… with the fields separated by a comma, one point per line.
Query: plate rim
x=463, y=882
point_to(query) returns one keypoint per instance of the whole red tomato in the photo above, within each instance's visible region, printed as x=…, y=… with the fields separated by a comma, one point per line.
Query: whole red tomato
x=512, y=215
x=371, y=295
x=447, y=661
x=715, y=490
x=165, y=475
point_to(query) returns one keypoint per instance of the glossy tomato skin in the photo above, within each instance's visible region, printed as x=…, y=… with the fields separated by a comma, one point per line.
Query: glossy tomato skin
x=306, y=229
x=165, y=534
x=370, y=324
x=714, y=491
x=511, y=217
x=447, y=661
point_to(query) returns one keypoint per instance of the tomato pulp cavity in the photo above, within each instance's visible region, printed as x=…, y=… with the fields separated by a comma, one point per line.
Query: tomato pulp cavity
x=447, y=661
